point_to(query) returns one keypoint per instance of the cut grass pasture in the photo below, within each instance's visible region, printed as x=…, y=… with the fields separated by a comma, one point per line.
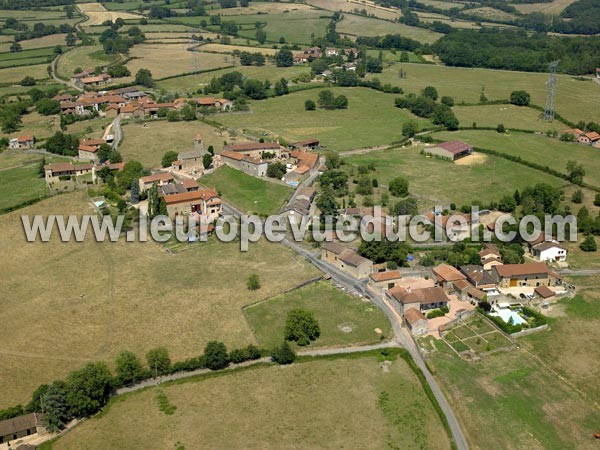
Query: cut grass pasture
x=97, y=13
x=191, y=83
x=354, y=25
x=83, y=57
x=263, y=8
x=553, y=7
x=576, y=100
x=344, y=319
x=91, y=300
x=510, y=400
x=246, y=192
x=534, y=148
x=371, y=119
x=571, y=345
x=38, y=125
x=336, y=403
x=435, y=181
x=16, y=74
x=389, y=57
x=165, y=60
x=148, y=144
x=511, y=116
x=221, y=48
x=487, y=12
x=350, y=6
x=46, y=41
x=21, y=184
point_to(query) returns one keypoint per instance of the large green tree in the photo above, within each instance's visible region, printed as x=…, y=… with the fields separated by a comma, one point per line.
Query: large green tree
x=215, y=355
x=301, y=327
x=128, y=368
x=88, y=389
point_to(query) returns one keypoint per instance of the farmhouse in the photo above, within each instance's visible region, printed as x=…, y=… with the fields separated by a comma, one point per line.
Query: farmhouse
x=160, y=179
x=590, y=138
x=20, y=427
x=132, y=111
x=248, y=164
x=445, y=275
x=300, y=205
x=189, y=161
x=308, y=144
x=186, y=185
x=22, y=142
x=87, y=152
x=301, y=58
x=54, y=171
x=210, y=102
x=385, y=280
x=256, y=149
x=346, y=259
x=459, y=228
x=549, y=251
x=205, y=203
x=450, y=150
x=332, y=51
x=490, y=256
x=423, y=299
x=83, y=74
x=479, y=278
x=529, y=274
x=98, y=80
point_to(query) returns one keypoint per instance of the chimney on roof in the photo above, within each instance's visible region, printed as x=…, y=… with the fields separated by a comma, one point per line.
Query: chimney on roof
x=408, y=290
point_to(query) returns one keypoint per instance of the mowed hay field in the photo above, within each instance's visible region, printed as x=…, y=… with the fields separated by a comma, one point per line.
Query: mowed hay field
x=46, y=41
x=512, y=400
x=352, y=5
x=262, y=8
x=354, y=25
x=165, y=60
x=344, y=319
x=16, y=74
x=86, y=57
x=571, y=345
x=246, y=192
x=511, y=116
x=553, y=7
x=435, y=181
x=97, y=13
x=147, y=144
x=575, y=100
x=338, y=403
x=371, y=119
x=69, y=303
x=535, y=148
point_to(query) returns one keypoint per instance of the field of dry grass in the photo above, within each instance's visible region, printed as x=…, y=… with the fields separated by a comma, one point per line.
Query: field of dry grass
x=46, y=41
x=221, y=48
x=82, y=57
x=16, y=74
x=554, y=7
x=165, y=60
x=352, y=5
x=148, y=144
x=262, y=8
x=97, y=13
x=342, y=403
x=358, y=25
x=68, y=303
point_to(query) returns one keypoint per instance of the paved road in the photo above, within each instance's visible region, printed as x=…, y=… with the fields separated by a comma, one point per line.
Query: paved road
x=401, y=333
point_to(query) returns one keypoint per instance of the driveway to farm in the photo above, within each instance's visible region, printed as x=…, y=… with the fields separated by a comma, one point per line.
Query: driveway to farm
x=60, y=80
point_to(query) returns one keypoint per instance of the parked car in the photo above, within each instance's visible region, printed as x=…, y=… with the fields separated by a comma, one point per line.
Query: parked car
x=522, y=295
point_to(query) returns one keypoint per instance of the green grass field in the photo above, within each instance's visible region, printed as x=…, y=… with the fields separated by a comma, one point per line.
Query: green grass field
x=435, y=181
x=337, y=403
x=91, y=300
x=20, y=184
x=332, y=308
x=251, y=194
x=576, y=100
x=510, y=400
x=535, y=148
x=354, y=25
x=191, y=83
x=511, y=116
x=570, y=347
x=16, y=74
x=371, y=119
x=83, y=57
x=147, y=143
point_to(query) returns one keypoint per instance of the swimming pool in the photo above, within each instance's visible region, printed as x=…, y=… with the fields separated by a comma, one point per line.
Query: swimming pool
x=507, y=314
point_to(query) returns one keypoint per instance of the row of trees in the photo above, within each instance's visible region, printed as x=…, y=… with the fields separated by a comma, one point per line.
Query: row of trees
x=425, y=105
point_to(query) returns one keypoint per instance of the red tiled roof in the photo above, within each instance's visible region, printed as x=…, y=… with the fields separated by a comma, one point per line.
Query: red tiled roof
x=88, y=148
x=202, y=194
x=511, y=270
x=386, y=276
x=544, y=291
x=448, y=273
x=252, y=146
x=162, y=176
x=23, y=139
x=455, y=147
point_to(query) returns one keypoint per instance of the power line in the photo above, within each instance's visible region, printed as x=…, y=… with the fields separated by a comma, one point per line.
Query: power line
x=550, y=91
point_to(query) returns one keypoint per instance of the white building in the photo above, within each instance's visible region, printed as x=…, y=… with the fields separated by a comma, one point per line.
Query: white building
x=549, y=251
